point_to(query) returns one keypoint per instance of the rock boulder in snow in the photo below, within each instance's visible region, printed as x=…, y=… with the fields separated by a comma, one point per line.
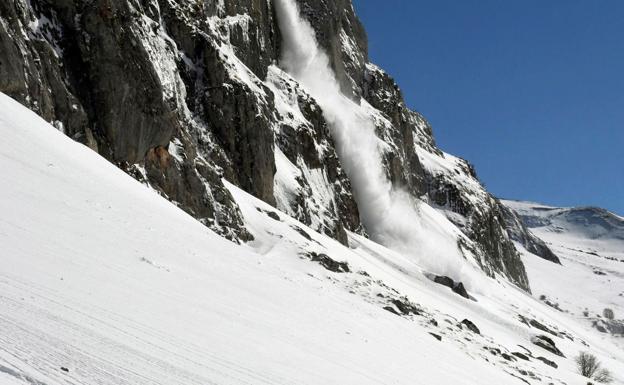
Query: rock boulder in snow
x=457, y=287
x=470, y=326
x=546, y=343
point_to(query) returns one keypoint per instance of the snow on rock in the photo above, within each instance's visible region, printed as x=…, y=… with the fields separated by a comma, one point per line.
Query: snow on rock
x=43, y=28
x=162, y=53
x=309, y=183
x=413, y=162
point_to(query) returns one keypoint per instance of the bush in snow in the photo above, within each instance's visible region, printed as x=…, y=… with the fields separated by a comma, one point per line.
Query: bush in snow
x=589, y=366
x=603, y=376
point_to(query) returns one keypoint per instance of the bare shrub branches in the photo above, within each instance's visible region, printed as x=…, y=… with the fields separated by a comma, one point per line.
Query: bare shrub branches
x=589, y=366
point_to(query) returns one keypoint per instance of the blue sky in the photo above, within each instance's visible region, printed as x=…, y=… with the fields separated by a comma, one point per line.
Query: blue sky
x=531, y=91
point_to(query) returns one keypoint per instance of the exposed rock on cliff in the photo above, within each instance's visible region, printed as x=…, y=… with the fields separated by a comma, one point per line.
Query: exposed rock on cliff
x=183, y=94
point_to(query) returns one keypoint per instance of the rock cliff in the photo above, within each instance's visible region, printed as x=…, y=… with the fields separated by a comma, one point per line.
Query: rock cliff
x=184, y=94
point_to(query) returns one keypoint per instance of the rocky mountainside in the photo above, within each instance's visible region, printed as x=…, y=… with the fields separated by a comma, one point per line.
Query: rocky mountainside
x=185, y=94
x=354, y=244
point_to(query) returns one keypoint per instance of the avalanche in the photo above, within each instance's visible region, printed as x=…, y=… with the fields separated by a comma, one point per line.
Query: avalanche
x=391, y=216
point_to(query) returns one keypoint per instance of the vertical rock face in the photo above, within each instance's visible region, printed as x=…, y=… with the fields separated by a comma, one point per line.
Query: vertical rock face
x=310, y=183
x=184, y=94
x=31, y=69
x=519, y=232
x=179, y=95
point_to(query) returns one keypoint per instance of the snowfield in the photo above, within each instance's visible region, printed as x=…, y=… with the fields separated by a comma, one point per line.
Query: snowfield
x=102, y=281
x=590, y=244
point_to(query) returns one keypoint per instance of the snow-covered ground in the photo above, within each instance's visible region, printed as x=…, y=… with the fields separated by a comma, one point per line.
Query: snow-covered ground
x=101, y=276
x=590, y=244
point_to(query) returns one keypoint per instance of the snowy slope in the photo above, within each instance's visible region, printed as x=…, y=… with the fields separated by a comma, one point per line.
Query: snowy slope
x=590, y=244
x=103, y=277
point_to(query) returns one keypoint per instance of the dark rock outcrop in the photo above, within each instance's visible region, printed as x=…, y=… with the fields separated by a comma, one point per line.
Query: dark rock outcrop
x=519, y=232
x=522, y=356
x=392, y=310
x=406, y=307
x=401, y=161
x=327, y=262
x=542, y=327
x=548, y=362
x=470, y=326
x=436, y=336
x=508, y=357
x=538, y=325
x=613, y=326
x=457, y=287
x=547, y=344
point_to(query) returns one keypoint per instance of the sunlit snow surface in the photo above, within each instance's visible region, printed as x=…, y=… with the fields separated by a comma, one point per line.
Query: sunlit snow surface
x=101, y=276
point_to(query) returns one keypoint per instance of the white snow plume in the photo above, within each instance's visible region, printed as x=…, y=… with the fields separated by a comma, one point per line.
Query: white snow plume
x=391, y=216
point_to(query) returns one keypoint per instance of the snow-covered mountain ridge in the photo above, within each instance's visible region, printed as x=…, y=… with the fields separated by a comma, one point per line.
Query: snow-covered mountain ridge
x=589, y=242
x=589, y=223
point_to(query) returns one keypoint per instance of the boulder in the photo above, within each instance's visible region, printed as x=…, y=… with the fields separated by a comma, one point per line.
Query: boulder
x=436, y=336
x=508, y=357
x=548, y=362
x=547, y=344
x=470, y=326
x=330, y=264
x=406, y=307
x=391, y=310
x=522, y=356
x=457, y=287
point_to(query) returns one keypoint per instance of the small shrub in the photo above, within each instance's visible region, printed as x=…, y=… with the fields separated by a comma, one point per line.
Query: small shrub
x=608, y=314
x=589, y=366
x=603, y=376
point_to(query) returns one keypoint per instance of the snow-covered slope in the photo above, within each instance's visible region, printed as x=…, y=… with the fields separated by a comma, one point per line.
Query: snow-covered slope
x=106, y=279
x=590, y=245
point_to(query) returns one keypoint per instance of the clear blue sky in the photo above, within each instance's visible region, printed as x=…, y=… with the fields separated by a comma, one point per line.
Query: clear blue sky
x=530, y=91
